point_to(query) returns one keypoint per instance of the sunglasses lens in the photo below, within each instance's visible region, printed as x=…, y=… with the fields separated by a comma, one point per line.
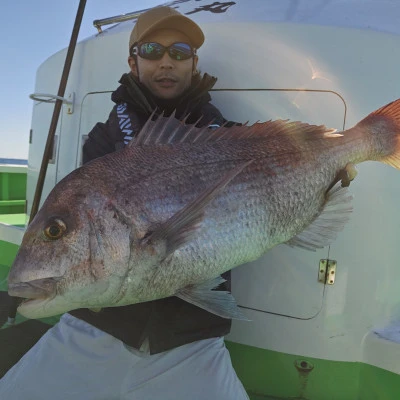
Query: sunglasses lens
x=155, y=51
x=180, y=51
x=151, y=51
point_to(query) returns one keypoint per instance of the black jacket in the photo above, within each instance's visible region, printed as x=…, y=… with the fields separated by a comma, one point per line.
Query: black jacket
x=170, y=322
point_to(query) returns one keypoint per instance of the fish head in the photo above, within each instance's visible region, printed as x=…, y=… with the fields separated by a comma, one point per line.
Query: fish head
x=74, y=253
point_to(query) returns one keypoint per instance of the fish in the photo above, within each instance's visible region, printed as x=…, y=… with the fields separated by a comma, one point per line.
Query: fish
x=180, y=205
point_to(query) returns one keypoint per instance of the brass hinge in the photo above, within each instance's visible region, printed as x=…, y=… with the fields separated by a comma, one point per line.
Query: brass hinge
x=327, y=271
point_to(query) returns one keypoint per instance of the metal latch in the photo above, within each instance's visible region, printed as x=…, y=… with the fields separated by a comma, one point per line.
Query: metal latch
x=327, y=271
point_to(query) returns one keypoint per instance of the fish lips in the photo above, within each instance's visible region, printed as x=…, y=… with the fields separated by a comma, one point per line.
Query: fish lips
x=37, y=289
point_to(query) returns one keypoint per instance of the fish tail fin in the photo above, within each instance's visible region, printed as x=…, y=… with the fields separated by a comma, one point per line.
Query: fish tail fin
x=383, y=128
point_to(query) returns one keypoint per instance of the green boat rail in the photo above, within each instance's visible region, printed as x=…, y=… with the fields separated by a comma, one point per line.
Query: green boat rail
x=12, y=189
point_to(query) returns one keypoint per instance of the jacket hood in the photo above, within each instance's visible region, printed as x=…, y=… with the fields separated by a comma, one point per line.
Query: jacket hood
x=136, y=95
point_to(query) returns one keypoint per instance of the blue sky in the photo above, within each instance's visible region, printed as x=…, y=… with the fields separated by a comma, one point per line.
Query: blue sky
x=31, y=31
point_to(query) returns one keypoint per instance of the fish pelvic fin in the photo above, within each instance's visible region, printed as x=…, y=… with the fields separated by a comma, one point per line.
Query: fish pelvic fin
x=218, y=302
x=383, y=128
x=179, y=229
x=332, y=219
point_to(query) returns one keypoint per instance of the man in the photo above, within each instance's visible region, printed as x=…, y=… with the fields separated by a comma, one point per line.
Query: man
x=165, y=349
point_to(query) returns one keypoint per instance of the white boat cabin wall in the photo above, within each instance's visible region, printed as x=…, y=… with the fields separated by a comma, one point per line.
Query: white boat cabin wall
x=274, y=60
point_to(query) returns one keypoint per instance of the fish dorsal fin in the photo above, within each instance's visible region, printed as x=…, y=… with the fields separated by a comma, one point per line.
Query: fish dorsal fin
x=323, y=230
x=167, y=130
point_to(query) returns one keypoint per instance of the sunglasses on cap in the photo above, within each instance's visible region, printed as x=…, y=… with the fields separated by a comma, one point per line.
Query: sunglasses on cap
x=155, y=51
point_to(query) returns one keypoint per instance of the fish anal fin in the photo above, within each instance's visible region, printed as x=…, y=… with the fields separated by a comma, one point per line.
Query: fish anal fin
x=325, y=227
x=218, y=302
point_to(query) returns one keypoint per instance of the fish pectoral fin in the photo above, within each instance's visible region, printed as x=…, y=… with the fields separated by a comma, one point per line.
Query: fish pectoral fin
x=179, y=229
x=323, y=229
x=217, y=302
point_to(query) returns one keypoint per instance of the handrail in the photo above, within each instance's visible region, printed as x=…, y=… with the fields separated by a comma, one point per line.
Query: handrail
x=52, y=98
x=98, y=23
x=48, y=98
x=291, y=90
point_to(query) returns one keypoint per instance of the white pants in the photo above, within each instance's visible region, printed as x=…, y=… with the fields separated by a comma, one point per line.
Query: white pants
x=75, y=360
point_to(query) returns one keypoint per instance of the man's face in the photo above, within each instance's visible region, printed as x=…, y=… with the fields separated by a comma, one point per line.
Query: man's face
x=165, y=78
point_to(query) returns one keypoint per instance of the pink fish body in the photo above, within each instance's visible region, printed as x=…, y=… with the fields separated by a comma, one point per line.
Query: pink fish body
x=181, y=205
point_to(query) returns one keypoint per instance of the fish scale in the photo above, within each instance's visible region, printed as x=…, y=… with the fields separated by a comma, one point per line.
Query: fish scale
x=234, y=249
x=165, y=217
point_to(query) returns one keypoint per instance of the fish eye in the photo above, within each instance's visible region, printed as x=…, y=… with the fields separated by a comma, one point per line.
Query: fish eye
x=55, y=229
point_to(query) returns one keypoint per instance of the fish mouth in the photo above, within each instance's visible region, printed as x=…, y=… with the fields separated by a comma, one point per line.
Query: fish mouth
x=38, y=289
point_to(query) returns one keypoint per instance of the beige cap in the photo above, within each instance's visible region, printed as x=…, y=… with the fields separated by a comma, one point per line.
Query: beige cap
x=166, y=18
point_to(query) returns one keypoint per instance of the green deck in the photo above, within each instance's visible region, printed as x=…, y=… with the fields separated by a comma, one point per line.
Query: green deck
x=269, y=375
x=12, y=212
x=19, y=220
x=12, y=192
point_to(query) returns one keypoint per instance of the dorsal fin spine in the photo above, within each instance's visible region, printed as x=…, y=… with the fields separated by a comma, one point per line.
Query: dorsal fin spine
x=168, y=130
x=190, y=130
x=159, y=123
x=200, y=135
x=164, y=129
x=139, y=138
